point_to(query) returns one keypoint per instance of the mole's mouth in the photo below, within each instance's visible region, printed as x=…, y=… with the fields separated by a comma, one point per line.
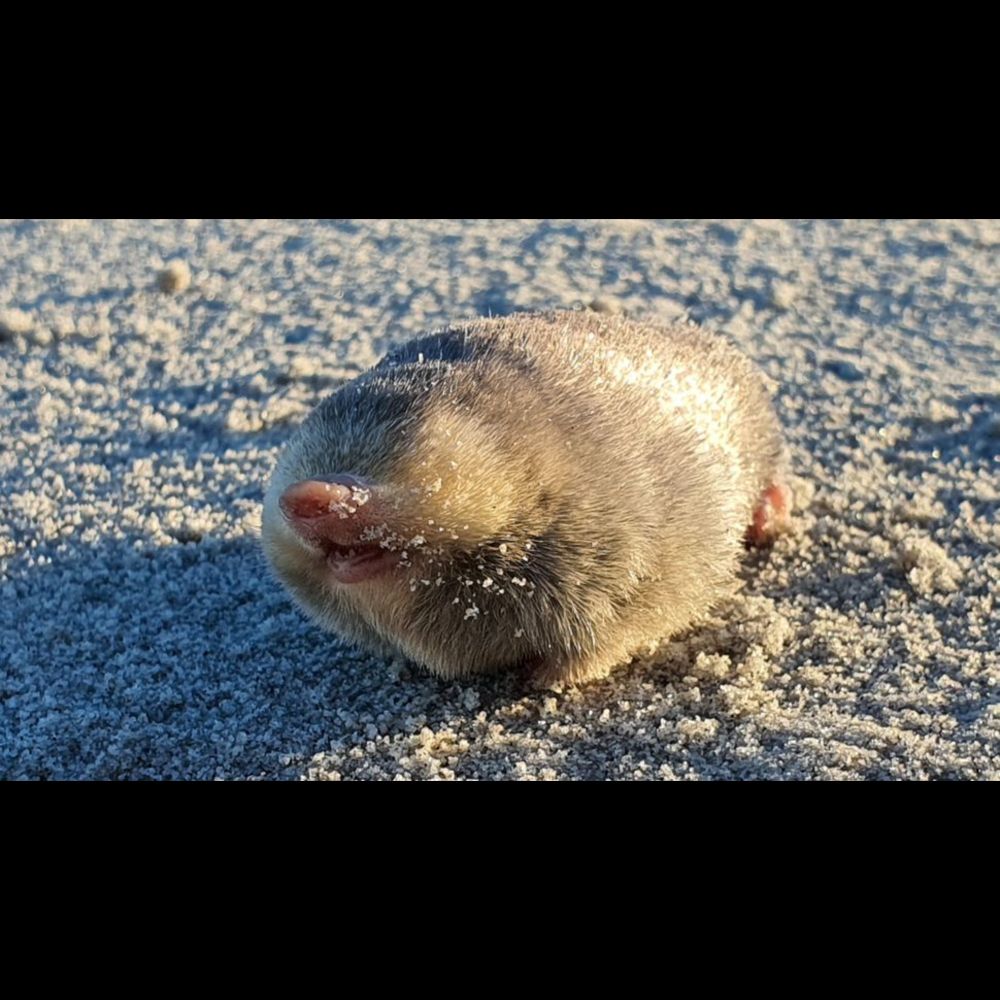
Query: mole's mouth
x=355, y=563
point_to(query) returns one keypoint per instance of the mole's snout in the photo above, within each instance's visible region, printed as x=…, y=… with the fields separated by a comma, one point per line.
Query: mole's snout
x=314, y=498
x=340, y=517
x=332, y=510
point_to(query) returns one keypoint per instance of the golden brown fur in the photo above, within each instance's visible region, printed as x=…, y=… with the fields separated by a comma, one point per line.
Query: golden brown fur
x=568, y=487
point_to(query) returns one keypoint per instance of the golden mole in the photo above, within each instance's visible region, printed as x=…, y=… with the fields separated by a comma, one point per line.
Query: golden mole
x=542, y=491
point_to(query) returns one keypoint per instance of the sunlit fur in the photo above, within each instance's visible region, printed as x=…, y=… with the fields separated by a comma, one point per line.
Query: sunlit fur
x=566, y=487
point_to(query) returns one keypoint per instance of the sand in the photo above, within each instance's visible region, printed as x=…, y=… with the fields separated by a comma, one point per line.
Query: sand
x=150, y=371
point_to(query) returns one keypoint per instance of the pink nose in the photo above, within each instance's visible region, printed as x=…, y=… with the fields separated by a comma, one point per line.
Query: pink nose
x=332, y=510
x=341, y=517
x=314, y=498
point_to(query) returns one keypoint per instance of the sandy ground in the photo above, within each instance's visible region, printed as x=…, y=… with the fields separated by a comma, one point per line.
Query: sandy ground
x=141, y=636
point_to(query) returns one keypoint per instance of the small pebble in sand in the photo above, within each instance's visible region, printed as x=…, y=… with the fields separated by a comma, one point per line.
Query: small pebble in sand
x=175, y=277
x=927, y=566
x=783, y=294
x=13, y=322
x=940, y=412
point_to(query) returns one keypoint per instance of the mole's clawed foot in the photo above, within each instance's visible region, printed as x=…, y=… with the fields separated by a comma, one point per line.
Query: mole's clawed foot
x=771, y=516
